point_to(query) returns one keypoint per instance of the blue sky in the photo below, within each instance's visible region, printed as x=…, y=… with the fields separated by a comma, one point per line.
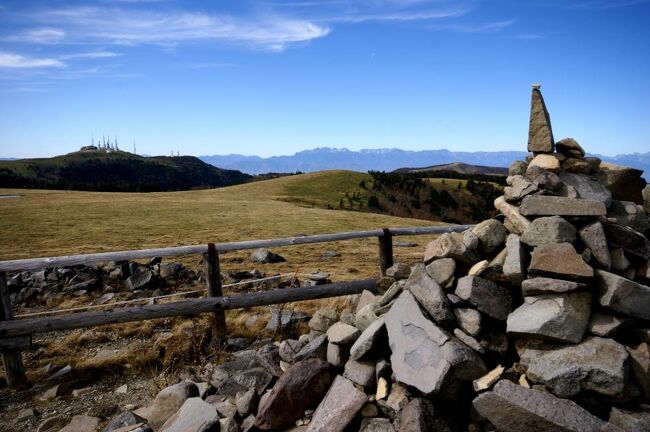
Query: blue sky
x=270, y=77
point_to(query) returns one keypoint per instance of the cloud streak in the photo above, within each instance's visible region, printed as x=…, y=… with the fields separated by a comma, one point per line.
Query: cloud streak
x=137, y=27
x=10, y=60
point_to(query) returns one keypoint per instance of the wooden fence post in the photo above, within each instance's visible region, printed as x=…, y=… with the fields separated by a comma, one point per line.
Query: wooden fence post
x=213, y=285
x=13, y=360
x=385, y=251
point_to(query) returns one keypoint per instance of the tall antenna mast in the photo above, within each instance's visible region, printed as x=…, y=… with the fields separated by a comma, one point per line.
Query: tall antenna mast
x=134, y=147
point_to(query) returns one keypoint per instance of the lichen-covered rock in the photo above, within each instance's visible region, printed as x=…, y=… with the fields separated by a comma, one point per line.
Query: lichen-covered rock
x=593, y=236
x=491, y=235
x=545, y=205
x=551, y=229
x=540, y=134
x=449, y=245
x=542, y=285
x=596, y=364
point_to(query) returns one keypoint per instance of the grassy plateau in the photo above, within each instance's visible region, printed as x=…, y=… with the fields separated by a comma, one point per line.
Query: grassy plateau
x=49, y=223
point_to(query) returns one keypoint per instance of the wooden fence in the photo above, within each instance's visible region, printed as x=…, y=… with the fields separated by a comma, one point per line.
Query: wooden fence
x=16, y=335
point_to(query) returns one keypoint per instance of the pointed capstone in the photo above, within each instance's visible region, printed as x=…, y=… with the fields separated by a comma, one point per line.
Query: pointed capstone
x=540, y=134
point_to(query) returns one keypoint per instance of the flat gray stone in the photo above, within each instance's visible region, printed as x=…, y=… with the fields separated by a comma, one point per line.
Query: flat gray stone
x=81, y=423
x=368, y=339
x=429, y=295
x=398, y=271
x=361, y=372
x=593, y=236
x=596, y=364
x=551, y=229
x=336, y=355
x=376, y=424
x=545, y=205
x=424, y=355
x=195, y=415
x=442, y=271
x=340, y=405
x=560, y=261
x=540, y=134
x=342, y=334
x=559, y=317
x=514, y=265
x=485, y=295
x=623, y=295
x=542, y=285
x=469, y=341
x=513, y=408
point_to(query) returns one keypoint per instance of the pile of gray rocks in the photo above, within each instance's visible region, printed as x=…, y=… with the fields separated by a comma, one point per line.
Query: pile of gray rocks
x=538, y=319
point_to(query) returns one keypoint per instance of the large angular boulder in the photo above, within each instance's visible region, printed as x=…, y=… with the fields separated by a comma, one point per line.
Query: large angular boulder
x=342, y=334
x=540, y=134
x=513, y=408
x=485, y=295
x=546, y=205
x=560, y=317
x=596, y=364
x=587, y=187
x=298, y=389
x=561, y=261
x=195, y=415
x=551, y=229
x=430, y=296
x=424, y=355
x=442, y=271
x=623, y=295
x=340, y=405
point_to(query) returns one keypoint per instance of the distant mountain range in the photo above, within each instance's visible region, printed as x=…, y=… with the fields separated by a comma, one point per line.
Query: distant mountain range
x=325, y=158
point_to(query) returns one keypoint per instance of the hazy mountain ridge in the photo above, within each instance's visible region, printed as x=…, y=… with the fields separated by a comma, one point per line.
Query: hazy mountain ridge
x=324, y=158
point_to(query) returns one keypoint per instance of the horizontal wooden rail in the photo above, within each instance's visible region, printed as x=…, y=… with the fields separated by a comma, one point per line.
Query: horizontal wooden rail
x=184, y=308
x=62, y=261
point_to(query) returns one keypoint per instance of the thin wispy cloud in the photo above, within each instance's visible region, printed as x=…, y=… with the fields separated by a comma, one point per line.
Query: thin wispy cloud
x=490, y=27
x=90, y=55
x=137, y=27
x=44, y=35
x=608, y=4
x=9, y=60
x=401, y=16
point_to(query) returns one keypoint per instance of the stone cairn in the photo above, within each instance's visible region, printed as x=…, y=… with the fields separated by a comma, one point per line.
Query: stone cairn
x=535, y=320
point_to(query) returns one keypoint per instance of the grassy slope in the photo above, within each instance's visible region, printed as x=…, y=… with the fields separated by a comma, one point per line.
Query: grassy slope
x=46, y=223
